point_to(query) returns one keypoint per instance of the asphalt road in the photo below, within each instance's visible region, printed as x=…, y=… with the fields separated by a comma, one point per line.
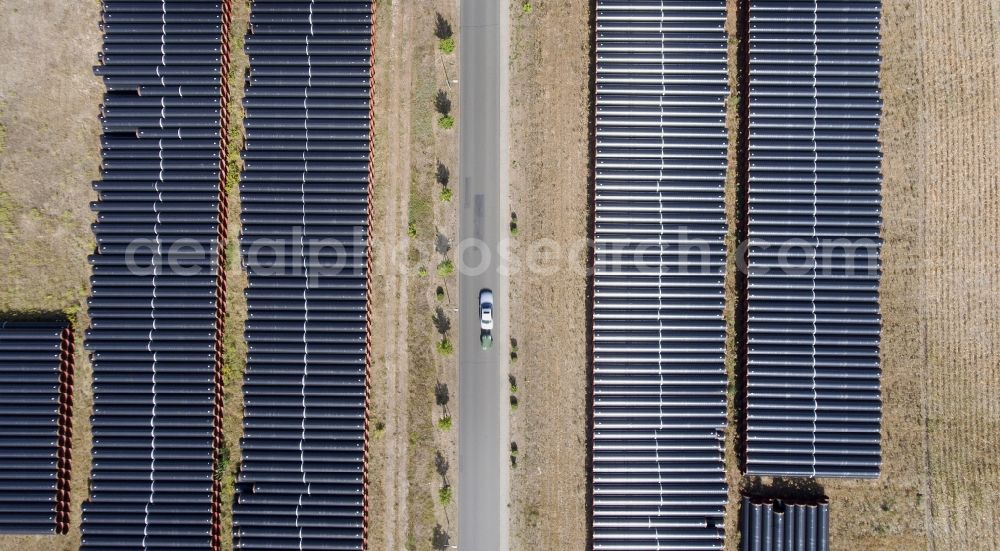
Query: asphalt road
x=484, y=409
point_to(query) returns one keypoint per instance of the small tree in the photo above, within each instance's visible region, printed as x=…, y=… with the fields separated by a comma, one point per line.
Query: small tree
x=439, y=293
x=444, y=347
x=445, y=268
x=513, y=223
x=445, y=495
x=446, y=122
x=447, y=45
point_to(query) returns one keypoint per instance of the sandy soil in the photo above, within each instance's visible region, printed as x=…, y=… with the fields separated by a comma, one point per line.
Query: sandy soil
x=49, y=150
x=409, y=457
x=957, y=137
x=734, y=198
x=49, y=154
x=445, y=459
x=387, y=467
x=550, y=61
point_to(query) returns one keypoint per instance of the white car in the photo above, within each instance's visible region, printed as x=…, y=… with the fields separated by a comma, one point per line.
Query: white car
x=486, y=310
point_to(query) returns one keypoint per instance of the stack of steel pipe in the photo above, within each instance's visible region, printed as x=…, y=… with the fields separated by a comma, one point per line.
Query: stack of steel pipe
x=36, y=428
x=813, y=404
x=158, y=285
x=305, y=244
x=785, y=525
x=659, y=384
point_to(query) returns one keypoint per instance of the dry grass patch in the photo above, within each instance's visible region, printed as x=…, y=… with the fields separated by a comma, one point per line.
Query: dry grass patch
x=409, y=455
x=549, y=191
x=234, y=346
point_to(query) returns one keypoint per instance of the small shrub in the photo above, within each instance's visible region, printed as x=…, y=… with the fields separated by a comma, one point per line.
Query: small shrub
x=445, y=268
x=444, y=495
x=446, y=194
x=734, y=100
x=411, y=229
x=378, y=428
x=513, y=223
x=439, y=293
x=513, y=403
x=526, y=8
x=422, y=271
x=447, y=45
x=444, y=423
x=446, y=121
x=444, y=347
x=223, y=464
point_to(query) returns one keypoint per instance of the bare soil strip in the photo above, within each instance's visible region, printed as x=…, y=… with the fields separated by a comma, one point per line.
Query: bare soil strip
x=550, y=152
x=388, y=488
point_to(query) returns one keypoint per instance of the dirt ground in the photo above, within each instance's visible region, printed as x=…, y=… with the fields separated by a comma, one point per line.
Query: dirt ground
x=49, y=151
x=550, y=151
x=410, y=458
x=942, y=199
x=49, y=154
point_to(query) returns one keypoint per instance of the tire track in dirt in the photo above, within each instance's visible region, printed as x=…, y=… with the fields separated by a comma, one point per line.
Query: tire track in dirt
x=960, y=74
